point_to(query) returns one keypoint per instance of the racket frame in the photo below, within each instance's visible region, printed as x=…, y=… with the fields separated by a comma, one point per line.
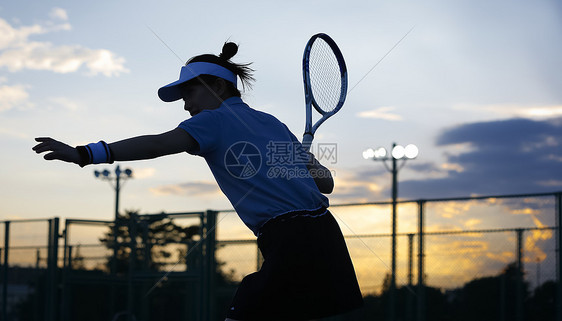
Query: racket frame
x=310, y=101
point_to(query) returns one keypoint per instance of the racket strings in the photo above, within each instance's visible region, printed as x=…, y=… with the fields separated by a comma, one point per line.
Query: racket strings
x=325, y=76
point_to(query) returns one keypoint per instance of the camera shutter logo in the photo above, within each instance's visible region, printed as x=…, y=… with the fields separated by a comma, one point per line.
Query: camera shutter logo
x=242, y=160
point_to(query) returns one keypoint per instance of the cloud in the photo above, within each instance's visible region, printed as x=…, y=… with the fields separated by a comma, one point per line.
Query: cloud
x=512, y=156
x=368, y=183
x=18, y=53
x=141, y=173
x=506, y=156
x=535, y=240
x=64, y=102
x=188, y=189
x=514, y=111
x=384, y=113
x=58, y=14
x=11, y=37
x=5, y=132
x=359, y=185
x=13, y=96
x=472, y=223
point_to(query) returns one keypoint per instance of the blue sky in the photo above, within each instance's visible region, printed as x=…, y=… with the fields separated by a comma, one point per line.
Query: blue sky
x=476, y=85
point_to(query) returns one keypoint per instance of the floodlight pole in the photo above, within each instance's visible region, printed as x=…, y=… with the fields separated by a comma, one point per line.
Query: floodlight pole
x=393, y=263
x=117, y=191
x=394, y=171
x=118, y=175
x=106, y=175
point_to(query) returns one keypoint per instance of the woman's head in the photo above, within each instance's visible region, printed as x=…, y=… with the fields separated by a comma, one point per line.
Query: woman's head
x=208, y=69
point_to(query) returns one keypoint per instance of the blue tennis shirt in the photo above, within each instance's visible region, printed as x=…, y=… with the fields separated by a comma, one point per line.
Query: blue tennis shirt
x=256, y=160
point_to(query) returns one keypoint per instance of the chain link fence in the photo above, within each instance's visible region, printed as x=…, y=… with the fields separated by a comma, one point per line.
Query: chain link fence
x=474, y=258
x=28, y=271
x=479, y=242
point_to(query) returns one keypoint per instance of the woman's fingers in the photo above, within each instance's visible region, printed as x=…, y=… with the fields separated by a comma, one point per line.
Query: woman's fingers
x=44, y=144
x=55, y=150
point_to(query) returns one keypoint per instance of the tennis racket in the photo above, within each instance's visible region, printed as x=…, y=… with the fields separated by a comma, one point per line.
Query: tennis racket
x=325, y=82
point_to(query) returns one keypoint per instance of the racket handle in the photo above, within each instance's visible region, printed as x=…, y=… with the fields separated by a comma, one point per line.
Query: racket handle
x=307, y=141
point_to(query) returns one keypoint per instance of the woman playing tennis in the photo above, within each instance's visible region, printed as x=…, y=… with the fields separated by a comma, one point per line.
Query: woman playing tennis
x=307, y=272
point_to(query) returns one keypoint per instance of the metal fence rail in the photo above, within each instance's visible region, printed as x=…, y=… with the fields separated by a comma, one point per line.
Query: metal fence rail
x=440, y=256
x=508, y=244
x=29, y=263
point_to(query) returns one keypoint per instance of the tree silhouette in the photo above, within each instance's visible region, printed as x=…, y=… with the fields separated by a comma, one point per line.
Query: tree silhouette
x=156, y=240
x=542, y=306
x=154, y=244
x=489, y=298
x=77, y=260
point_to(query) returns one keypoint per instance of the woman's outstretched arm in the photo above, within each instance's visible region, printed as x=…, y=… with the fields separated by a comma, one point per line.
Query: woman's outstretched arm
x=135, y=148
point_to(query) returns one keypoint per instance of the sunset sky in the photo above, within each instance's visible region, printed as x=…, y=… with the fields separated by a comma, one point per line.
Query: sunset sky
x=475, y=85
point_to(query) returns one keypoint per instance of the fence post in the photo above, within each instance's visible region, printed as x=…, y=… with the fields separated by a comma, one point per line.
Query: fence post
x=421, y=257
x=132, y=261
x=519, y=286
x=558, y=256
x=409, y=295
x=147, y=254
x=66, y=265
x=5, y=268
x=503, y=297
x=209, y=260
x=48, y=280
x=52, y=265
x=202, y=266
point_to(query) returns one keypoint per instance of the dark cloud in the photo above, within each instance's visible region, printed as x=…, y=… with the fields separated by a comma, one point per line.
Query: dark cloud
x=367, y=175
x=351, y=194
x=507, y=156
x=422, y=167
x=514, y=134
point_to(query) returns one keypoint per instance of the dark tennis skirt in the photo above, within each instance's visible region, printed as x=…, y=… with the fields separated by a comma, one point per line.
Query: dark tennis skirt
x=306, y=274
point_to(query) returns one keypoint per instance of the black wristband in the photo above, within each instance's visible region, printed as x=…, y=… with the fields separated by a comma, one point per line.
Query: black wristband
x=85, y=157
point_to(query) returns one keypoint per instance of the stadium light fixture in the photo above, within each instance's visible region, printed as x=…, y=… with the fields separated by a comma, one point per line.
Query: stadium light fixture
x=397, y=153
x=115, y=180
